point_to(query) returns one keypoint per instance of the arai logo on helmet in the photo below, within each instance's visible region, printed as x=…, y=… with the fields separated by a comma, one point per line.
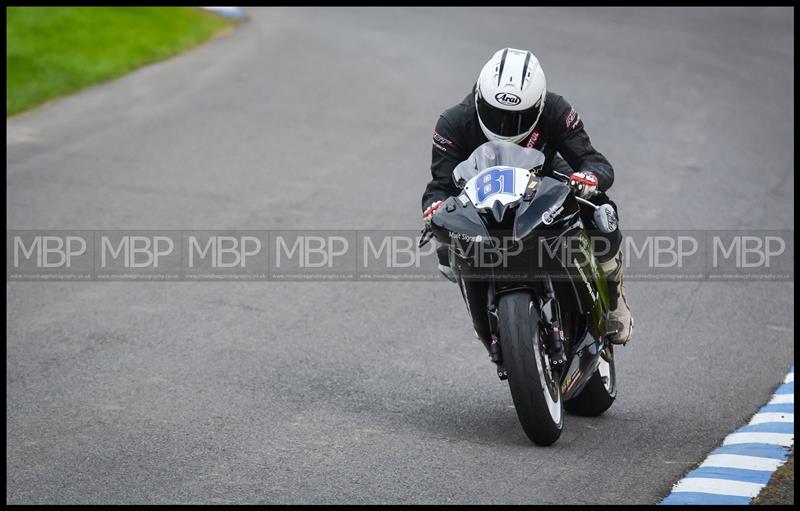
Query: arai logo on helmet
x=506, y=98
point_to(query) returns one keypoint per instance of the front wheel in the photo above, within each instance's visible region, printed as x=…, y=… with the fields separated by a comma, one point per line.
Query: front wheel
x=600, y=391
x=534, y=387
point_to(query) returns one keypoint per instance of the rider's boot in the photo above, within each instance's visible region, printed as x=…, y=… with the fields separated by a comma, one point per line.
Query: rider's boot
x=620, y=321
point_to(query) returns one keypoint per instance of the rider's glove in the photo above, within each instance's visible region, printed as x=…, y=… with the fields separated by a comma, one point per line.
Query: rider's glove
x=428, y=214
x=427, y=232
x=584, y=183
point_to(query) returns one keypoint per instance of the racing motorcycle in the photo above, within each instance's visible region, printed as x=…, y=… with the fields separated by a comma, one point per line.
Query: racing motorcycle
x=525, y=266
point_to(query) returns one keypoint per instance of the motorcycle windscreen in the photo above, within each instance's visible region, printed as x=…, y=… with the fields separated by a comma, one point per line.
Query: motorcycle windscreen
x=497, y=153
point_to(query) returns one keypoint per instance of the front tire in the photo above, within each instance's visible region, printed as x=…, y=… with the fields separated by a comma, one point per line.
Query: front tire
x=534, y=387
x=600, y=392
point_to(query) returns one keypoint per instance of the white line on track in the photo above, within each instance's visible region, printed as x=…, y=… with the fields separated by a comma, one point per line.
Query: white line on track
x=781, y=399
x=740, y=461
x=784, y=439
x=718, y=486
x=761, y=418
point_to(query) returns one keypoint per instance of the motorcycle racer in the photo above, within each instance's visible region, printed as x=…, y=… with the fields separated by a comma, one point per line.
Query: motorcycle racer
x=510, y=102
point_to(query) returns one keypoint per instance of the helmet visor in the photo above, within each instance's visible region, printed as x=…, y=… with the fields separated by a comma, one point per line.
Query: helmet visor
x=507, y=123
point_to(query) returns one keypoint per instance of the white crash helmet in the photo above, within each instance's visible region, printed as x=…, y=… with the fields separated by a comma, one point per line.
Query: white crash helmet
x=509, y=95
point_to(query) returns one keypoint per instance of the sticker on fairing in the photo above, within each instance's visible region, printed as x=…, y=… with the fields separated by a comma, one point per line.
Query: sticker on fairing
x=504, y=184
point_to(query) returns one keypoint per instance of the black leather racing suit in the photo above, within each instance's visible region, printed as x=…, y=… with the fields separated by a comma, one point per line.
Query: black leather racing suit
x=559, y=134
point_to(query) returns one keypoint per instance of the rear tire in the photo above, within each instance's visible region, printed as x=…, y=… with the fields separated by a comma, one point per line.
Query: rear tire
x=534, y=388
x=601, y=391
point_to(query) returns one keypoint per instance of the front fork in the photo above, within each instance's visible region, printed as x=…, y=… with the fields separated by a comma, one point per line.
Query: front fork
x=553, y=333
x=550, y=318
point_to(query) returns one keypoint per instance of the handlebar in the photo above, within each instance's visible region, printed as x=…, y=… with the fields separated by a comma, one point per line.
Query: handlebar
x=427, y=233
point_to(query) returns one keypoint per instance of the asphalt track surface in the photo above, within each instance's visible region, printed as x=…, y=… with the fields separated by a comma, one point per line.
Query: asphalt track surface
x=377, y=392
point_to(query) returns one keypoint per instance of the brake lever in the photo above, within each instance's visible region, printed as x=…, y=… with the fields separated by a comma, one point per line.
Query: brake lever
x=566, y=177
x=425, y=236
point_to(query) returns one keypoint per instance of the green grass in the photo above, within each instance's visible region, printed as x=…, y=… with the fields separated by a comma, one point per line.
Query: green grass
x=53, y=51
x=780, y=489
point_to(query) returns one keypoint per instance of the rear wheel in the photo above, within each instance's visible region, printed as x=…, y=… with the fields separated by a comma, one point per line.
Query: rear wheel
x=534, y=387
x=600, y=392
